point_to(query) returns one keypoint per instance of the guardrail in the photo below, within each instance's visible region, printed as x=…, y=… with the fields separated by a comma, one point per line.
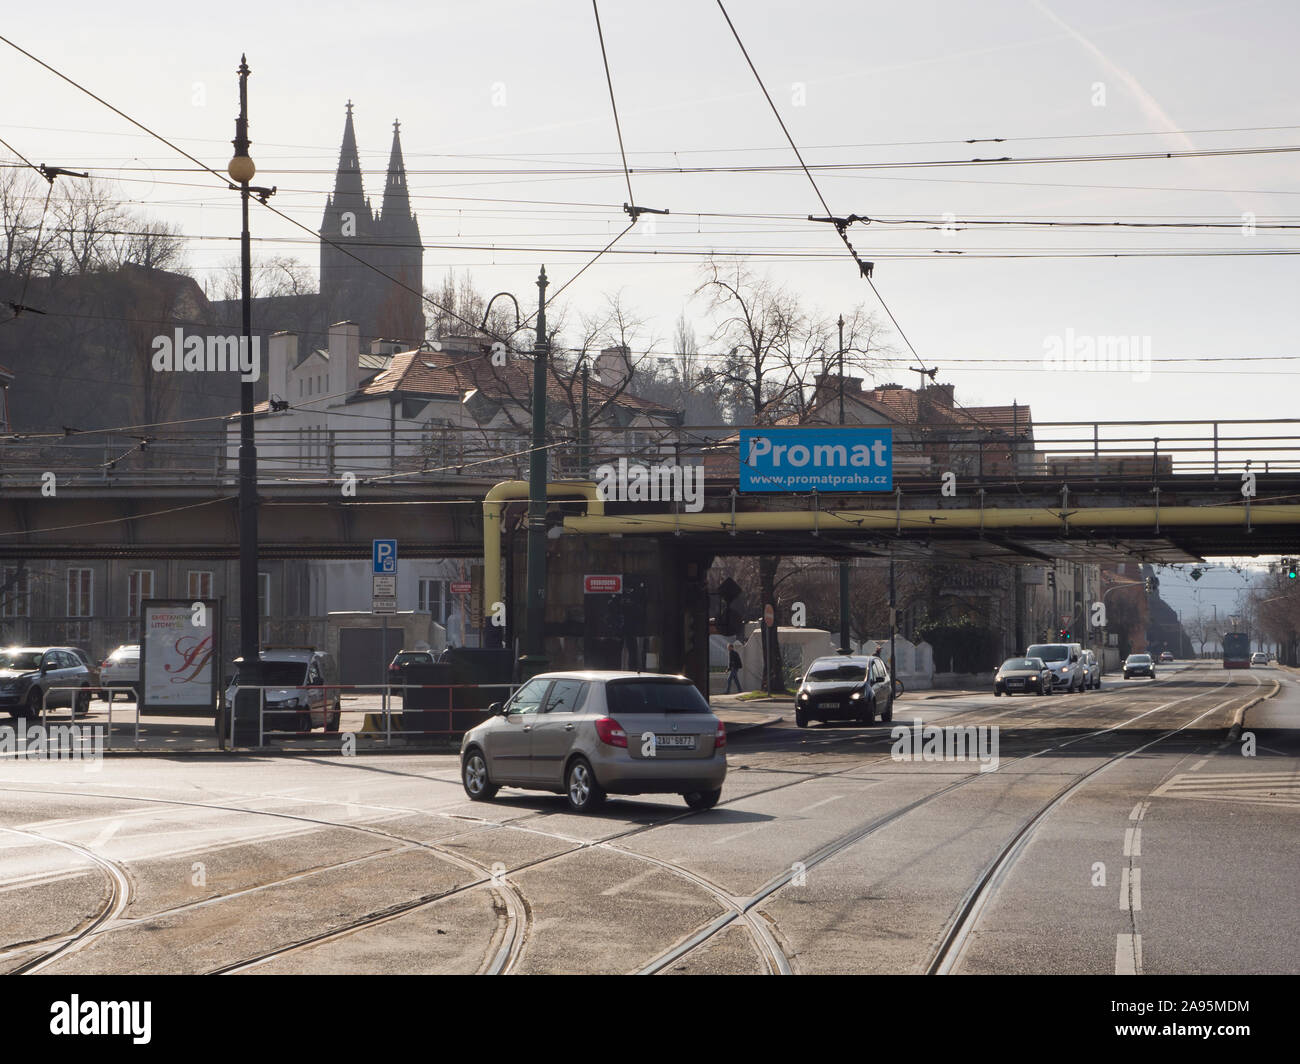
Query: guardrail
x=494, y=692
x=1101, y=449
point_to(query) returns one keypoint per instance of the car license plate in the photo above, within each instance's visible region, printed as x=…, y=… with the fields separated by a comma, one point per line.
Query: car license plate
x=685, y=741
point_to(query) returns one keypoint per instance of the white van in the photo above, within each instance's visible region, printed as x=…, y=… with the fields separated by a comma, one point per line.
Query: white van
x=1065, y=661
x=301, y=689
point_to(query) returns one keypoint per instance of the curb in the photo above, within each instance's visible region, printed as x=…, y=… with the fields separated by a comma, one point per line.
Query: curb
x=736, y=727
x=1239, y=718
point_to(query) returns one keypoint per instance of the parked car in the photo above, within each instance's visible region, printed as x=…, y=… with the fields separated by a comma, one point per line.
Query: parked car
x=1259, y=658
x=301, y=689
x=845, y=687
x=1091, y=670
x=1139, y=665
x=590, y=734
x=51, y=676
x=1026, y=676
x=120, y=672
x=1064, y=661
x=91, y=667
x=1166, y=657
x=403, y=658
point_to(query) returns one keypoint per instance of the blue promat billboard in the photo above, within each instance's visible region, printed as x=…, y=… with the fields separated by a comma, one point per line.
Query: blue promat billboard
x=800, y=459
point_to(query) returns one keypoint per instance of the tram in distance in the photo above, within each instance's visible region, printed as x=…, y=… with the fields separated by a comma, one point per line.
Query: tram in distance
x=1236, y=650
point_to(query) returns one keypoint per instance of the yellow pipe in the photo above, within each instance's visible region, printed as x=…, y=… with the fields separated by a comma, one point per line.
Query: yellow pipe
x=1080, y=520
x=493, y=503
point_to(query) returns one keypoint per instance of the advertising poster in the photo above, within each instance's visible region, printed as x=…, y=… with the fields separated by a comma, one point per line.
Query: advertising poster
x=179, y=654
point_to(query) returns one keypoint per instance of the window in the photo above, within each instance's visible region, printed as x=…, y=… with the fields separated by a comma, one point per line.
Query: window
x=200, y=584
x=264, y=594
x=138, y=588
x=529, y=697
x=81, y=584
x=566, y=696
x=435, y=598
x=15, y=592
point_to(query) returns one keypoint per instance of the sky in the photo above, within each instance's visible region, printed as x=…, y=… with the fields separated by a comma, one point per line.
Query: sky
x=515, y=89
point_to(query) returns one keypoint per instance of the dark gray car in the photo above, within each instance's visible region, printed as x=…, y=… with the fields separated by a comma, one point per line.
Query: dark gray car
x=845, y=687
x=32, y=677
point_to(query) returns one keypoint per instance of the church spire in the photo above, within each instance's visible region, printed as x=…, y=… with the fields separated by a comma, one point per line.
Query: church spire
x=349, y=193
x=396, y=209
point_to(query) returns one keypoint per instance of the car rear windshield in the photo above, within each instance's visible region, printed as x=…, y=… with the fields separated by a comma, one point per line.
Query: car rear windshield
x=1048, y=652
x=1013, y=664
x=418, y=659
x=281, y=673
x=838, y=674
x=124, y=652
x=20, y=660
x=654, y=696
x=1139, y=659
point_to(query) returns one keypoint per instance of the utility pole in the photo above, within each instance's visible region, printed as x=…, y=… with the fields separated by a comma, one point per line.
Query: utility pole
x=844, y=564
x=584, y=449
x=534, y=657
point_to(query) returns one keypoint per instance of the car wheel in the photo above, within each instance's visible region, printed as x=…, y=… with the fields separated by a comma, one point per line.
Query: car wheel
x=888, y=714
x=335, y=720
x=580, y=786
x=82, y=707
x=868, y=716
x=997, y=693
x=474, y=776
x=1042, y=691
x=700, y=800
x=801, y=718
x=33, y=704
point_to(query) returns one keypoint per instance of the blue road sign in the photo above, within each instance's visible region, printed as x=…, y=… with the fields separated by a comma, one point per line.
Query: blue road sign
x=383, y=555
x=828, y=459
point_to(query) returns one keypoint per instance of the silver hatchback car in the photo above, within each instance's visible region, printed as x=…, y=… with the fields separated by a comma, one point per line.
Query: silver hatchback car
x=589, y=734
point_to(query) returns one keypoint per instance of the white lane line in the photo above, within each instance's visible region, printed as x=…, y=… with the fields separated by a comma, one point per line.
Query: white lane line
x=824, y=801
x=1128, y=954
x=738, y=834
x=1130, y=890
x=1200, y=764
x=1132, y=842
x=1139, y=811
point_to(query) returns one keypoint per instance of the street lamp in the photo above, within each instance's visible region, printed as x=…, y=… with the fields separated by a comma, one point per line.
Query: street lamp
x=533, y=660
x=241, y=170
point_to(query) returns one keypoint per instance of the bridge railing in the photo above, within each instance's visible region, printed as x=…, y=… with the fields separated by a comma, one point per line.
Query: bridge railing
x=985, y=453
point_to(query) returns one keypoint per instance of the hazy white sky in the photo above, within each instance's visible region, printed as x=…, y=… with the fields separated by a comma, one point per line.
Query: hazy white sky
x=519, y=86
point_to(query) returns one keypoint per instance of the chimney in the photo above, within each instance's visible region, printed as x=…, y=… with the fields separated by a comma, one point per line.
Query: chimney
x=281, y=357
x=940, y=395
x=613, y=366
x=345, y=352
x=385, y=347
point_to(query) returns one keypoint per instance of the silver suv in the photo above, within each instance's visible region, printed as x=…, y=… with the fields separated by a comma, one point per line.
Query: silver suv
x=589, y=734
x=36, y=677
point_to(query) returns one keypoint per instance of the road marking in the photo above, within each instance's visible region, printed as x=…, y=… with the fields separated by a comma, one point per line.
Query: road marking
x=1200, y=764
x=1139, y=811
x=824, y=801
x=1262, y=788
x=738, y=834
x=1130, y=890
x=1128, y=954
x=1132, y=842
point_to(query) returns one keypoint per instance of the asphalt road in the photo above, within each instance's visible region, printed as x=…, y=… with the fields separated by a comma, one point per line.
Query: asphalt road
x=1119, y=831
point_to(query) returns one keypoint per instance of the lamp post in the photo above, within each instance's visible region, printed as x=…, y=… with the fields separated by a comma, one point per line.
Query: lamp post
x=241, y=170
x=844, y=564
x=533, y=660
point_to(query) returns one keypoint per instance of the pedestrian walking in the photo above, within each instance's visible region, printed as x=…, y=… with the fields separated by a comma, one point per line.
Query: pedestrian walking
x=733, y=668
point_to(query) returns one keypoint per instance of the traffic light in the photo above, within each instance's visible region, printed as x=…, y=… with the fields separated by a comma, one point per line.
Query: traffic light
x=1065, y=635
x=1146, y=584
x=1051, y=578
x=1290, y=568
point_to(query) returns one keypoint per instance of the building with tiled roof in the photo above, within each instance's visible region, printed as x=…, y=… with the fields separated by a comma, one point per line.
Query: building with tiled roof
x=453, y=407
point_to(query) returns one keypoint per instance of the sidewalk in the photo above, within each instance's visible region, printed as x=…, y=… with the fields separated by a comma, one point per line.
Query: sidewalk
x=741, y=716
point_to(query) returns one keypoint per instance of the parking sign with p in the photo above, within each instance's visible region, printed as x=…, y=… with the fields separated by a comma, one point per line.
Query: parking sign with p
x=383, y=555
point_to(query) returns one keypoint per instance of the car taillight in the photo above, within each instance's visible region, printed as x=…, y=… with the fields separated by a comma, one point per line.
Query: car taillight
x=611, y=732
x=720, y=737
